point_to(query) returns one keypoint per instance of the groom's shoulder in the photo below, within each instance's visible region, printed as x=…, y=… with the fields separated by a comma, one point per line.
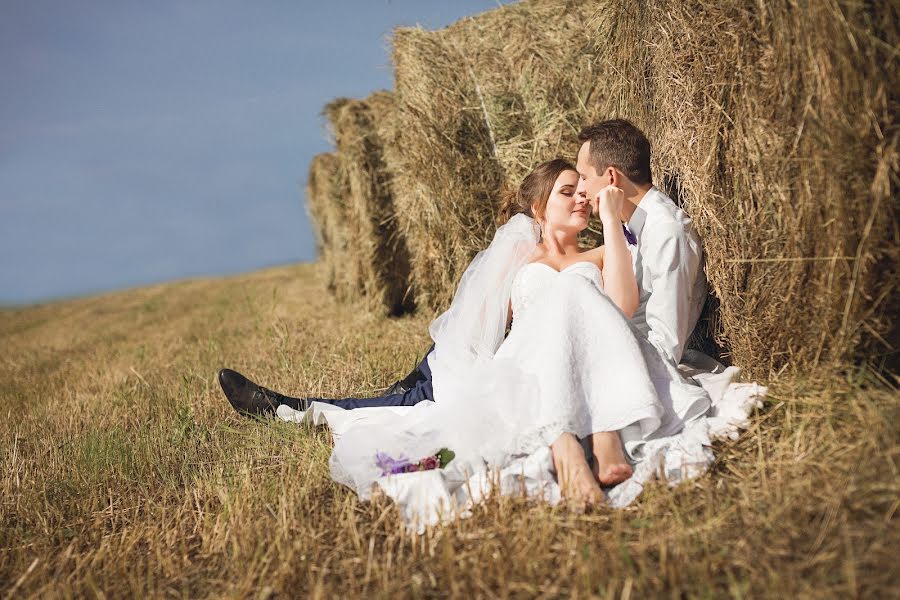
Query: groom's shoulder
x=666, y=215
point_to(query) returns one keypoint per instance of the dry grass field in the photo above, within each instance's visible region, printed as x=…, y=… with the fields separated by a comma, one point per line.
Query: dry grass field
x=126, y=474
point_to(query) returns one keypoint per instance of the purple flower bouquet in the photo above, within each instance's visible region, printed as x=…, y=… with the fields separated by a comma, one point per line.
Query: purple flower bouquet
x=393, y=466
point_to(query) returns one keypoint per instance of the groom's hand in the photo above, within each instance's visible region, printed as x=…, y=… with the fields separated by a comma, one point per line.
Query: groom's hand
x=608, y=202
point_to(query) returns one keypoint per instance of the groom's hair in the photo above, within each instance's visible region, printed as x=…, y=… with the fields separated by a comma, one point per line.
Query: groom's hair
x=618, y=143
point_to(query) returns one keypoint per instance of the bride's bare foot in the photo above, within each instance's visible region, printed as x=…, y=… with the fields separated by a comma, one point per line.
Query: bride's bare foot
x=573, y=472
x=610, y=466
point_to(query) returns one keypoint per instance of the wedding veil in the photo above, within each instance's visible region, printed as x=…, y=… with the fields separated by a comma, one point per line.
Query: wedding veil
x=474, y=326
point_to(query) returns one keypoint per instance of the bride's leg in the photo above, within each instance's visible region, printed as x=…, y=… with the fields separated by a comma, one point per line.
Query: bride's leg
x=573, y=472
x=610, y=466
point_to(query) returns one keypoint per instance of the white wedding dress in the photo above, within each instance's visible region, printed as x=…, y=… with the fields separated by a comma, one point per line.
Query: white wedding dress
x=571, y=363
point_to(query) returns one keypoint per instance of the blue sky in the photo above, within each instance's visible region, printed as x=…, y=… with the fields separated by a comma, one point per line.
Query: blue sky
x=149, y=141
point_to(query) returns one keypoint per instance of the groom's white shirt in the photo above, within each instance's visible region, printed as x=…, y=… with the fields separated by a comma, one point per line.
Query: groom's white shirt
x=668, y=266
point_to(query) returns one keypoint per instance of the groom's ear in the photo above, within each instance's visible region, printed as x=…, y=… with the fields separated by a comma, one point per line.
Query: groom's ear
x=615, y=178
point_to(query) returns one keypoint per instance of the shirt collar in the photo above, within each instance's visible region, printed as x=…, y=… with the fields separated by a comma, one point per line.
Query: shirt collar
x=636, y=222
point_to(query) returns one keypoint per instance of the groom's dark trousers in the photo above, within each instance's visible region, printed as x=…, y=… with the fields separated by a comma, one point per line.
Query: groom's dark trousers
x=419, y=391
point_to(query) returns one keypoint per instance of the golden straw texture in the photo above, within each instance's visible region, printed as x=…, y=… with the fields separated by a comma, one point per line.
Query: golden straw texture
x=772, y=123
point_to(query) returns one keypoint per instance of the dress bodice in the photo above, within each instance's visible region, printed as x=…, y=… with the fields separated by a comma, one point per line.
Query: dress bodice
x=534, y=278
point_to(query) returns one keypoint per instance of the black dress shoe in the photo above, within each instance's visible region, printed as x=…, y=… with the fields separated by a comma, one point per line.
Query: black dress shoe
x=397, y=388
x=249, y=398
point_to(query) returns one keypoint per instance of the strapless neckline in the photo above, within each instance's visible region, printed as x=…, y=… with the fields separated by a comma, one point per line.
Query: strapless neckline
x=567, y=267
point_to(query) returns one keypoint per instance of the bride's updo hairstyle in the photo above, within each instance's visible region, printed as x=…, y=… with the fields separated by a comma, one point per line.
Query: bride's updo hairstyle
x=534, y=190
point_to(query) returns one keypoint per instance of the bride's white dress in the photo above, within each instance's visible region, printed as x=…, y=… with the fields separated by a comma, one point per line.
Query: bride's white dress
x=591, y=368
x=571, y=363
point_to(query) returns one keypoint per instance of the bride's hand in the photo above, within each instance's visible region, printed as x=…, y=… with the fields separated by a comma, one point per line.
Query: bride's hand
x=607, y=204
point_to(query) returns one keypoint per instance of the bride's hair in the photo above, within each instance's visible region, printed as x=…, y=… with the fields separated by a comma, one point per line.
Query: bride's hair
x=533, y=191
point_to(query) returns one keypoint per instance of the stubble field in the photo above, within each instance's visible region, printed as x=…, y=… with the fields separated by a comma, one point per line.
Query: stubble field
x=127, y=474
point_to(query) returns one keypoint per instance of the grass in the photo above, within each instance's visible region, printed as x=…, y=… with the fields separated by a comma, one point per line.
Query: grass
x=125, y=472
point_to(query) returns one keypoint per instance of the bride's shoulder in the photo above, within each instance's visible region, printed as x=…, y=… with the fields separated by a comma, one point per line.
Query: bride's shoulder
x=595, y=255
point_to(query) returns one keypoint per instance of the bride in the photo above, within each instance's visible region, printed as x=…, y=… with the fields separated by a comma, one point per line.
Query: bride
x=572, y=374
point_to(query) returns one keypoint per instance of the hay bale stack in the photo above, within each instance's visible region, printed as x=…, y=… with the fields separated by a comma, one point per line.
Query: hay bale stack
x=775, y=127
x=377, y=252
x=327, y=190
x=771, y=123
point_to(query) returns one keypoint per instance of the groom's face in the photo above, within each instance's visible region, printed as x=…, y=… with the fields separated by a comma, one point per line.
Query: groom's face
x=589, y=181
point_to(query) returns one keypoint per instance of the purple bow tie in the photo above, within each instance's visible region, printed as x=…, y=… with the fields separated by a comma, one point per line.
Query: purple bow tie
x=629, y=236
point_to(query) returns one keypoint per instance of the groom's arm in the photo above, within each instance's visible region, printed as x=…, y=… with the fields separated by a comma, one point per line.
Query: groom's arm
x=673, y=269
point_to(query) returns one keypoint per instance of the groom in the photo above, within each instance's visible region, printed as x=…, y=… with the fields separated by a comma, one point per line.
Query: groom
x=666, y=256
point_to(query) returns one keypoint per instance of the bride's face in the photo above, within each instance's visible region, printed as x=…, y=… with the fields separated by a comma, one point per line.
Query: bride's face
x=566, y=210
